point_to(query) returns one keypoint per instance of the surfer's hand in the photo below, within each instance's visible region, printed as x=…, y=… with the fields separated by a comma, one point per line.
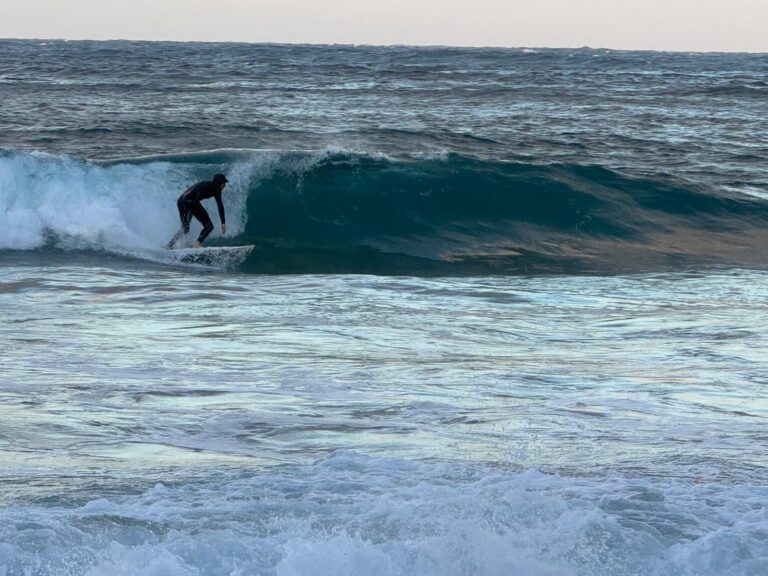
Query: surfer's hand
x=223, y=229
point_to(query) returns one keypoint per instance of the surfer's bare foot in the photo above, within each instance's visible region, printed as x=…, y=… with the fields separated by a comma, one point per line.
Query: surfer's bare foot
x=198, y=245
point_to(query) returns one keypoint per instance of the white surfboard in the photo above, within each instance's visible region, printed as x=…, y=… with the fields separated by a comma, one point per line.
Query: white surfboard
x=214, y=256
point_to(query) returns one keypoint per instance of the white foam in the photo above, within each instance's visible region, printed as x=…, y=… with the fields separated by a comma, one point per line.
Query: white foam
x=78, y=204
x=351, y=514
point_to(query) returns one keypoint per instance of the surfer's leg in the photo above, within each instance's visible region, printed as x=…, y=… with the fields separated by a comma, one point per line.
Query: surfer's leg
x=185, y=215
x=200, y=213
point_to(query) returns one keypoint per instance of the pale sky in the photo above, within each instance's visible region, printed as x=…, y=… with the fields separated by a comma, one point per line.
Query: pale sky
x=688, y=25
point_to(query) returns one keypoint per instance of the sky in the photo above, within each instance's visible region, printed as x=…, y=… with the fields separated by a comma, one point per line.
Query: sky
x=685, y=25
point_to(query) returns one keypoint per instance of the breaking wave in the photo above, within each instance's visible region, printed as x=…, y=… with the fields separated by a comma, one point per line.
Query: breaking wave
x=343, y=212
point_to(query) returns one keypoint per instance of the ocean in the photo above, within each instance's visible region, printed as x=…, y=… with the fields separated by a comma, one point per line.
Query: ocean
x=506, y=313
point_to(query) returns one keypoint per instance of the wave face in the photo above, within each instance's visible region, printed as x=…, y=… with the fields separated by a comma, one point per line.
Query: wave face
x=341, y=212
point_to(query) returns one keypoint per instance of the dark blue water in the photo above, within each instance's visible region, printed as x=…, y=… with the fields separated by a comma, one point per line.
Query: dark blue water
x=505, y=314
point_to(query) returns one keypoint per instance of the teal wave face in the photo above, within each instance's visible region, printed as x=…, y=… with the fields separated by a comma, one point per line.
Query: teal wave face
x=463, y=215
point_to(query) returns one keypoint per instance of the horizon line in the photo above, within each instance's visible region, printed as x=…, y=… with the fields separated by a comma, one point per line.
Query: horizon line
x=394, y=45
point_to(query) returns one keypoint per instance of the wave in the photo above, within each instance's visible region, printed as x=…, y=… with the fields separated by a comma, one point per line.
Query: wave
x=338, y=211
x=352, y=514
x=735, y=89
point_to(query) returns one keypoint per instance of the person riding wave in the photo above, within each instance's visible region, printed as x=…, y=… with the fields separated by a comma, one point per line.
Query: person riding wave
x=189, y=205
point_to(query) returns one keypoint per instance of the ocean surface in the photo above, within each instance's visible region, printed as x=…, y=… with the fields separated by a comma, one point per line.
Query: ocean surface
x=506, y=314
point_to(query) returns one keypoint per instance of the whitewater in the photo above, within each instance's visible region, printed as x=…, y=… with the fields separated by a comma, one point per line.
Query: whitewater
x=505, y=314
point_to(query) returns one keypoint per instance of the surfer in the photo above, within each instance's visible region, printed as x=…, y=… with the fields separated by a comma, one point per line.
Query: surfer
x=189, y=205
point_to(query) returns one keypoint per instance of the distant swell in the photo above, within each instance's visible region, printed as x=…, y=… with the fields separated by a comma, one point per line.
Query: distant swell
x=342, y=212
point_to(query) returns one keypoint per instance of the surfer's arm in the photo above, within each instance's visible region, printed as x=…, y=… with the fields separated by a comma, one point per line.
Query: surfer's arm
x=220, y=205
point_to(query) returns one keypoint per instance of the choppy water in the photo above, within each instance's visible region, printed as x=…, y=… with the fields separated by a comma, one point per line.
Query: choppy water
x=557, y=368
x=157, y=421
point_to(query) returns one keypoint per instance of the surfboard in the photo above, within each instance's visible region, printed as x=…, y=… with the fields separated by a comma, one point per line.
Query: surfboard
x=214, y=256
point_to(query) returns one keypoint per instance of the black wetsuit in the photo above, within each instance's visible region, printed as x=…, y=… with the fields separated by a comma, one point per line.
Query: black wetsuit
x=189, y=205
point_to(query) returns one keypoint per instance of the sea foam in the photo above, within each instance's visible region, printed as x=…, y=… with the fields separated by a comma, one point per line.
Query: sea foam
x=350, y=514
x=76, y=204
